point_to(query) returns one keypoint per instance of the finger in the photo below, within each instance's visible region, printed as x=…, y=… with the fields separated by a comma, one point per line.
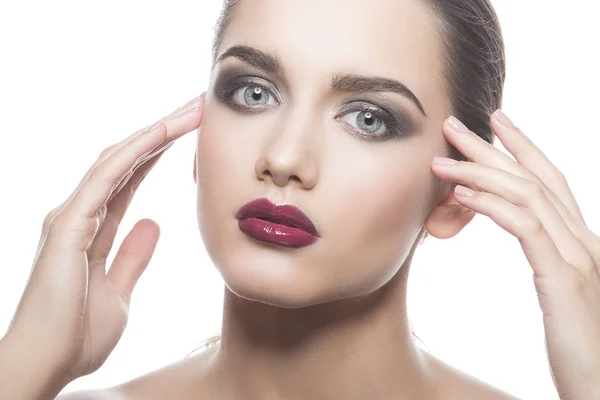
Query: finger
x=178, y=124
x=150, y=158
x=531, y=157
x=80, y=220
x=176, y=127
x=121, y=197
x=538, y=246
x=194, y=103
x=116, y=208
x=174, y=130
x=476, y=149
x=133, y=257
x=100, y=158
x=525, y=194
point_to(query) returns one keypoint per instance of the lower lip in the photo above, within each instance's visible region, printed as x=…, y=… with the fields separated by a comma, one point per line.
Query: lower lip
x=271, y=232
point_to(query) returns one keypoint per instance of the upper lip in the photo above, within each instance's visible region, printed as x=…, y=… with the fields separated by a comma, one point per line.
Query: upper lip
x=286, y=214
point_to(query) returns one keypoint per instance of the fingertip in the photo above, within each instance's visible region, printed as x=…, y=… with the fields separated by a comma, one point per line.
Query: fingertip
x=148, y=225
x=134, y=256
x=502, y=119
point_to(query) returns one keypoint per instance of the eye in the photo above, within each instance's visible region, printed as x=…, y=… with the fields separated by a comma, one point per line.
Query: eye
x=254, y=95
x=366, y=121
x=370, y=122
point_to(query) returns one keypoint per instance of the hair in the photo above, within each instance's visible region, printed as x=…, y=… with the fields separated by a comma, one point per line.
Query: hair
x=473, y=66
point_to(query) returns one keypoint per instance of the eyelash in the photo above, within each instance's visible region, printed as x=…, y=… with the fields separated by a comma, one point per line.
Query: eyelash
x=393, y=127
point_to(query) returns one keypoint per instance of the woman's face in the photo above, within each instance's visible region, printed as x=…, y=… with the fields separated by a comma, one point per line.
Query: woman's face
x=354, y=155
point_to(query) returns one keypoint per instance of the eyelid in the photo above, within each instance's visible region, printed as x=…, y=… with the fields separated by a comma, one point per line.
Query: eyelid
x=363, y=106
x=357, y=105
x=232, y=79
x=402, y=119
x=394, y=128
x=247, y=80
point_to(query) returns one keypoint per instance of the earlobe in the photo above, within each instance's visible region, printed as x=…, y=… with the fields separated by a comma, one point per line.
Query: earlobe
x=448, y=218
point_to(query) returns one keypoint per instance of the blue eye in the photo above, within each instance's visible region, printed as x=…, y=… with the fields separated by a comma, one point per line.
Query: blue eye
x=361, y=118
x=371, y=123
x=367, y=121
x=254, y=95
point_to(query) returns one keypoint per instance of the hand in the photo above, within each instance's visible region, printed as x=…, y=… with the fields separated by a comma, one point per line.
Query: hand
x=530, y=199
x=72, y=313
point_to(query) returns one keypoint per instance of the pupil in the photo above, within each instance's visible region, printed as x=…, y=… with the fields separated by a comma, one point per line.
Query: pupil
x=368, y=118
x=256, y=94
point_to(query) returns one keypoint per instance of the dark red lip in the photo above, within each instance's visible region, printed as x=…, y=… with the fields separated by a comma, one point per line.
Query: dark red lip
x=285, y=214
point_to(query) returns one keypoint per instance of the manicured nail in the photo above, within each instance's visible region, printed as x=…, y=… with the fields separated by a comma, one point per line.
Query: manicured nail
x=457, y=125
x=194, y=100
x=191, y=106
x=443, y=160
x=156, y=125
x=503, y=119
x=464, y=191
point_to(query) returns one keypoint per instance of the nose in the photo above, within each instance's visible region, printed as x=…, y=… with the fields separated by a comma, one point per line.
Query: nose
x=291, y=153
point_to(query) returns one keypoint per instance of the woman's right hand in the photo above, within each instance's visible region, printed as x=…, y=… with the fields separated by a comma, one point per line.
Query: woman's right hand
x=73, y=313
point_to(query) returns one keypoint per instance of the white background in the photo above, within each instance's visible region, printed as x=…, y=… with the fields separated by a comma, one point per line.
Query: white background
x=75, y=77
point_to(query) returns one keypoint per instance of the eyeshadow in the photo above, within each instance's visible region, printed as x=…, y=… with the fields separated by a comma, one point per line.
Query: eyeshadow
x=233, y=77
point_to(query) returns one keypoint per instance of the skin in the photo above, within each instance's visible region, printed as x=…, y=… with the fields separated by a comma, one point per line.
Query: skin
x=290, y=313
x=328, y=320
x=290, y=316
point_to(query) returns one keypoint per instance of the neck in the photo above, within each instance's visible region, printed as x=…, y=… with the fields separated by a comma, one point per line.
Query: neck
x=358, y=348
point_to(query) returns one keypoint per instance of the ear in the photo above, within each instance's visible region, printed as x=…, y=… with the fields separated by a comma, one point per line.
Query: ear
x=449, y=217
x=195, y=179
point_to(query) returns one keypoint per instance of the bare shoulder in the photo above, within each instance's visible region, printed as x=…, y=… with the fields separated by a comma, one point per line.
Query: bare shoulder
x=193, y=375
x=174, y=381
x=458, y=385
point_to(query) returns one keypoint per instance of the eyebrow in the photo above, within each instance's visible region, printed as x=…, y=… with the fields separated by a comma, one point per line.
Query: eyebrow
x=341, y=82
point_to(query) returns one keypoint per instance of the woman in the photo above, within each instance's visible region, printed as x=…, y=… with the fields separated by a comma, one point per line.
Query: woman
x=315, y=305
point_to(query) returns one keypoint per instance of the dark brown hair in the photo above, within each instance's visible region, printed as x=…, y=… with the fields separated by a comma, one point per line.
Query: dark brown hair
x=474, y=63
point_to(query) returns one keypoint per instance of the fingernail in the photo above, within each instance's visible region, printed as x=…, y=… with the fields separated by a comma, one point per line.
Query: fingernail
x=443, y=160
x=194, y=100
x=197, y=101
x=153, y=126
x=191, y=108
x=194, y=105
x=457, y=125
x=464, y=191
x=503, y=119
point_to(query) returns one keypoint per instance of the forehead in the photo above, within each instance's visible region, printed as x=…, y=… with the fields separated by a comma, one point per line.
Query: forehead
x=315, y=38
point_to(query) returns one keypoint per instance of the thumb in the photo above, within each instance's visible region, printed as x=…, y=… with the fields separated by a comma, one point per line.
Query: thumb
x=133, y=257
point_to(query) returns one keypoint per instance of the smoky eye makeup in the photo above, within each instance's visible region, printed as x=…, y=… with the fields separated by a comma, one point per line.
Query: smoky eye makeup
x=372, y=108
x=358, y=113
x=232, y=79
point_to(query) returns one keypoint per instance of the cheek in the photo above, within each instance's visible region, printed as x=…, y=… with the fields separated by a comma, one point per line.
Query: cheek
x=218, y=178
x=373, y=211
x=221, y=152
x=381, y=201
x=213, y=150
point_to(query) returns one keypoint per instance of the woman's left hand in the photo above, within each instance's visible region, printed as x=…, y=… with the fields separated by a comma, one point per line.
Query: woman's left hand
x=530, y=199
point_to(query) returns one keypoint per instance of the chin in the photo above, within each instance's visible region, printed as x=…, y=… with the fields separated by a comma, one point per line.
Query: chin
x=284, y=277
x=272, y=282
x=264, y=272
